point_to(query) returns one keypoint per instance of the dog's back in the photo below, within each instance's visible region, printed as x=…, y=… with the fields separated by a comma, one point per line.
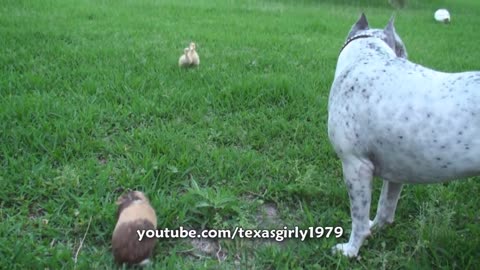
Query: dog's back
x=415, y=124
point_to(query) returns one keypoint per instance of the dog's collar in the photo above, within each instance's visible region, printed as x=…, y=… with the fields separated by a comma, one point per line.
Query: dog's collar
x=354, y=38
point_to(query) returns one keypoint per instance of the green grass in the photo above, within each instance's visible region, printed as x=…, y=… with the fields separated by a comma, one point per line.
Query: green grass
x=92, y=103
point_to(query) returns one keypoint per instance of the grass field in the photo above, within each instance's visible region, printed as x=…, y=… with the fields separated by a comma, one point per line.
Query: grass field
x=92, y=103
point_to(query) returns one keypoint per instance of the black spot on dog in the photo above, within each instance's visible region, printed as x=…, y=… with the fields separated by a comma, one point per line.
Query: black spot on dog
x=349, y=185
x=365, y=94
x=360, y=194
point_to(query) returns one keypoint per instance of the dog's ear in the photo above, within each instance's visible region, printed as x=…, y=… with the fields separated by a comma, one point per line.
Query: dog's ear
x=393, y=39
x=400, y=49
x=390, y=34
x=361, y=24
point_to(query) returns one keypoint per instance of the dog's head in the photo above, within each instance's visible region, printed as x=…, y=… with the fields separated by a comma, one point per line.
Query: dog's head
x=388, y=35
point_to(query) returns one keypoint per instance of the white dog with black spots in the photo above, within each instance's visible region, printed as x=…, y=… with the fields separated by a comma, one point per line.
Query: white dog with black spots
x=400, y=121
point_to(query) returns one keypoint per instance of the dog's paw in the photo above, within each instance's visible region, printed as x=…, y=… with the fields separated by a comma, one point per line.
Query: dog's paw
x=346, y=249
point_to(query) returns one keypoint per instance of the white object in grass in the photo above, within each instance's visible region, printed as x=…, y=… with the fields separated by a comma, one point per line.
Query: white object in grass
x=442, y=15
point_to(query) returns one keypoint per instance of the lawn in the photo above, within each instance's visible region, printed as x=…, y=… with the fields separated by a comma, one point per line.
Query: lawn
x=92, y=103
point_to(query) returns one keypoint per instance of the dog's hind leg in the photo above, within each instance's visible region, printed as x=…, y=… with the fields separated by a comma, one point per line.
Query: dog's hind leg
x=387, y=204
x=358, y=174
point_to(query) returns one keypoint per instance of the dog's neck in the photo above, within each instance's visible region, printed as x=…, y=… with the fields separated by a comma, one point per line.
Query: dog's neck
x=364, y=49
x=354, y=38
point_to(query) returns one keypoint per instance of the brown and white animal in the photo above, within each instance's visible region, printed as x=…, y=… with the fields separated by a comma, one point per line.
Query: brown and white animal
x=134, y=213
